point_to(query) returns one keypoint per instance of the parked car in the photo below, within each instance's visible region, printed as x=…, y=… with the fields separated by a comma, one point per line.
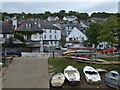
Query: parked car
x=109, y=50
x=11, y=52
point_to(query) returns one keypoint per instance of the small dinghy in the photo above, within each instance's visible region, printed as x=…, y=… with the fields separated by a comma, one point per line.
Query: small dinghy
x=91, y=75
x=72, y=75
x=112, y=79
x=58, y=80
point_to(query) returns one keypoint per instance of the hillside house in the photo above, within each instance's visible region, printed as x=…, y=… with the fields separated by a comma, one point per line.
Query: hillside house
x=75, y=37
x=51, y=18
x=51, y=34
x=69, y=18
x=32, y=35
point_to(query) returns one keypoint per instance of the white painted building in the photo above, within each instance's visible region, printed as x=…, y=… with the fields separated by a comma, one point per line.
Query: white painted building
x=51, y=18
x=51, y=37
x=69, y=18
x=75, y=36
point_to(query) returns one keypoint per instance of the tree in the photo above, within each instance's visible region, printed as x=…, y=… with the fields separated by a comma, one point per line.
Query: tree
x=118, y=29
x=62, y=11
x=108, y=31
x=73, y=13
x=61, y=14
x=82, y=16
x=101, y=15
x=63, y=41
x=92, y=33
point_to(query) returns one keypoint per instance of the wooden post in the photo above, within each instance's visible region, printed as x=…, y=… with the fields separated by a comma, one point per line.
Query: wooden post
x=53, y=55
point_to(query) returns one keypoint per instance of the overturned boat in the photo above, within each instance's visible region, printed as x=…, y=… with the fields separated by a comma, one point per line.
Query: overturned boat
x=79, y=52
x=91, y=75
x=112, y=79
x=72, y=75
x=58, y=80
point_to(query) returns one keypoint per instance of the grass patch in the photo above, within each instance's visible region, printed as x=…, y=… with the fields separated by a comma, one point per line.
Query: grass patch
x=112, y=59
x=61, y=62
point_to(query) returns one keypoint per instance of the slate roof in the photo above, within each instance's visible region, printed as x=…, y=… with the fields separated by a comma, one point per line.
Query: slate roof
x=48, y=25
x=5, y=27
x=78, y=26
x=34, y=27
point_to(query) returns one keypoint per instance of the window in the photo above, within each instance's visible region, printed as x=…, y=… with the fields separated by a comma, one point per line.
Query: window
x=44, y=36
x=51, y=42
x=50, y=36
x=55, y=37
x=50, y=31
x=55, y=42
x=70, y=39
x=28, y=25
x=55, y=31
x=76, y=38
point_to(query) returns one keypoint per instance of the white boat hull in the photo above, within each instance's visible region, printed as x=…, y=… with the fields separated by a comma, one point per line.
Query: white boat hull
x=112, y=79
x=91, y=75
x=58, y=80
x=72, y=75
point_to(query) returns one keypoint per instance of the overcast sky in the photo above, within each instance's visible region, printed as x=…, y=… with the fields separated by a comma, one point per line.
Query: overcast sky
x=88, y=6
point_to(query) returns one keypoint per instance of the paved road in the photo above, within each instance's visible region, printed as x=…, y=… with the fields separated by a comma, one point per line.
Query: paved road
x=27, y=72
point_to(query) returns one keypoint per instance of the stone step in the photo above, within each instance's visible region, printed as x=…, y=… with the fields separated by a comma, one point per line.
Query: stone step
x=50, y=67
x=51, y=70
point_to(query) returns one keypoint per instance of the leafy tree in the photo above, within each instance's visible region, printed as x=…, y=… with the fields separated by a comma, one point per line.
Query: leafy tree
x=118, y=29
x=0, y=16
x=72, y=13
x=82, y=16
x=63, y=41
x=101, y=15
x=92, y=33
x=109, y=30
x=61, y=14
x=62, y=11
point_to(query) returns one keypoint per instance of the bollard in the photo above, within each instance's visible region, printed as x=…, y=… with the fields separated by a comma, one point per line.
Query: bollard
x=53, y=55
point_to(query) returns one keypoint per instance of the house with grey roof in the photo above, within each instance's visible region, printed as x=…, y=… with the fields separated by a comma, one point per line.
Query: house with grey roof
x=51, y=18
x=32, y=34
x=69, y=18
x=6, y=35
x=5, y=31
x=51, y=34
x=69, y=27
x=97, y=20
x=76, y=36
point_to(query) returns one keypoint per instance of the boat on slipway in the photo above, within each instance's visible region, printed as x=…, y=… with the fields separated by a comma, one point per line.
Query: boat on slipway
x=72, y=75
x=91, y=74
x=58, y=80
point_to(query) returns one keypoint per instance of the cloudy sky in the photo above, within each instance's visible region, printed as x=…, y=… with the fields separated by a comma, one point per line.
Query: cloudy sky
x=35, y=6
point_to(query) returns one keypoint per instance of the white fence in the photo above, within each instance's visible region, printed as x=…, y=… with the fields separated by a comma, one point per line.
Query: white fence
x=34, y=54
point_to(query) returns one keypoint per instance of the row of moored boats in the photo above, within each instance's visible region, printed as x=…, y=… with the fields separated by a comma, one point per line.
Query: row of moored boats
x=112, y=78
